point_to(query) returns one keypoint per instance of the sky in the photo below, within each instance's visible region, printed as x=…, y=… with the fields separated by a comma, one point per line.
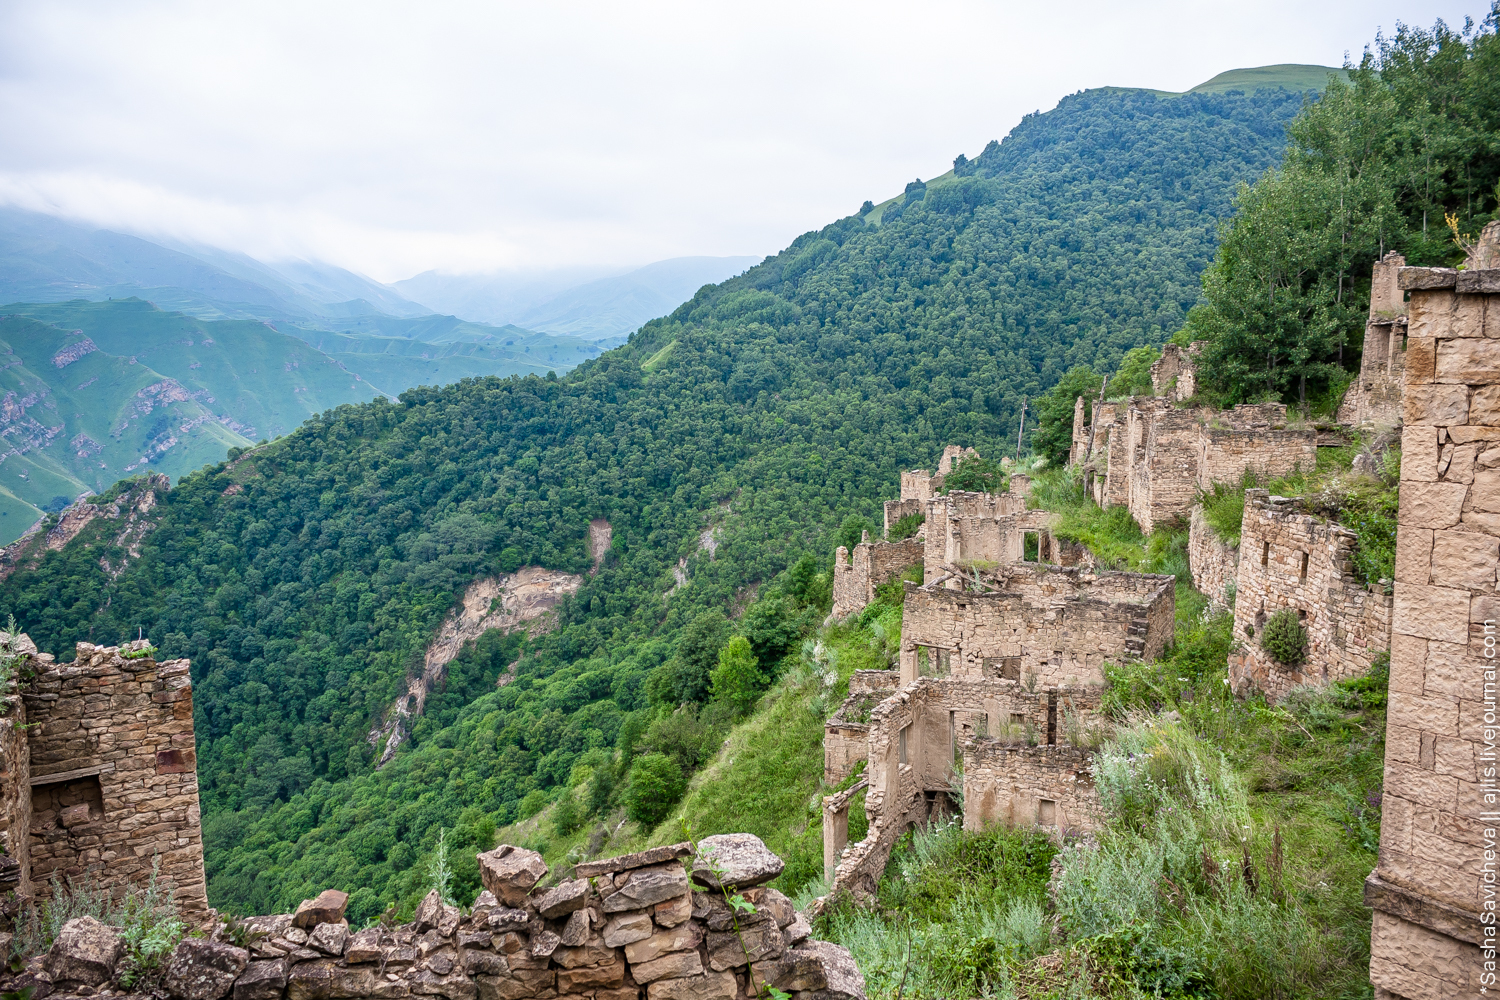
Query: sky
x=395, y=138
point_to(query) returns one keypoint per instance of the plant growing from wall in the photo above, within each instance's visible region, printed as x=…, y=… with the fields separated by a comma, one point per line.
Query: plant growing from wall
x=1285, y=638
x=738, y=904
x=439, y=872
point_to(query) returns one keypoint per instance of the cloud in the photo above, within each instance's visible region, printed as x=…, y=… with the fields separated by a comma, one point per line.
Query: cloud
x=394, y=138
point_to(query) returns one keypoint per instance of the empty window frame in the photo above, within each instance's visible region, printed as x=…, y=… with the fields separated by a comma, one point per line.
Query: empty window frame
x=1302, y=571
x=1046, y=812
x=1265, y=553
x=901, y=744
x=1031, y=547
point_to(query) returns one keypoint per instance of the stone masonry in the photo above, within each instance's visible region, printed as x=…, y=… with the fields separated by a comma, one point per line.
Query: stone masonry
x=1292, y=558
x=1434, y=891
x=1374, y=397
x=856, y=576
x=1214, y=562
x=1174, y=376
x=105, y=781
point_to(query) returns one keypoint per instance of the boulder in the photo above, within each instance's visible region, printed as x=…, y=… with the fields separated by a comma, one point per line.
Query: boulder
x=85, y=953
x=647, y=887
x=200, y=969
x=261, y=981
x=742, y=860
x=310, y=980
x=798, y=930
x=327, y=908
x=706, y=986
x=576, y=931
x=484, y=902
x=663, y=941
x=511, y=872
x=773, y=902
x=673, y=965
x=432, y=912
x=564, y=899
x=844, y=981
x=329, y=938
x=725, y=950
x=623, y=928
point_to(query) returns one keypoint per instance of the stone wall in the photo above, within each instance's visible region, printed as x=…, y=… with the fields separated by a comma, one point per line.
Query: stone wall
x=895, y=510
x=1374, y=397
x=1174, y=376
x=965, y=527
x=113, y=773
x=846, y=733
x=1292, y=559
x=1018, y=785
x=1165, y=448
x=872, y=564
x=15, y=787
x=1213, y=561
x=1438, y=813
x=1252, y=438
x=1055, y=624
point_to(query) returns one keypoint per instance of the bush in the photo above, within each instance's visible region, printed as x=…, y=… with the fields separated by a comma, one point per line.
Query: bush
x=534, y=802
x=904, y=527
x=738, y=679
x=1285, y=638
x=656, y=784
x=977, y=475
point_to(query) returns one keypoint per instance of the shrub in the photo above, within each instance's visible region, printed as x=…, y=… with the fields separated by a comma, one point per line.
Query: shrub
x=738, y=679
x=656, y=783
x=904, y=527
x=1285, y=638
x=533, y=802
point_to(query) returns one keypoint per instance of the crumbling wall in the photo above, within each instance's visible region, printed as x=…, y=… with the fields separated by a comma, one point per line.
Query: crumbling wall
x=1430, y=888
x=916, y=485
x=114, y=783
x=1165, y=454
x=1214, y=562
x=1253, y=437
x=1019, y=785
x=846, y=733
x=964, y=527
x=872, y=564
x=1374, y=397
x=1059, y=624
x=1291, y=559
x=15, y=788
x=1174, y=376
x=895, y=510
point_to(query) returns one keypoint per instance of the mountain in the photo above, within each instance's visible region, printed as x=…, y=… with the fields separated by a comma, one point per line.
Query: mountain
x=1285, y=76
x=594, y=308
x=725, y=445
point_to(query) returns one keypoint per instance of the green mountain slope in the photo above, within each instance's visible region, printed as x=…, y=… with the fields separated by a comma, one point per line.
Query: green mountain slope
x=1287, y=76
x=790, y=398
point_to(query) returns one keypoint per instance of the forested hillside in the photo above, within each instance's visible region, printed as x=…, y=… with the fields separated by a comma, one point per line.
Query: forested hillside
x=768, y=409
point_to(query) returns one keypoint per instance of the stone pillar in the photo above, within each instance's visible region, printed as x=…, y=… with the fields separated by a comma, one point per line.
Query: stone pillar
x=1440, y=815
x=15, y=784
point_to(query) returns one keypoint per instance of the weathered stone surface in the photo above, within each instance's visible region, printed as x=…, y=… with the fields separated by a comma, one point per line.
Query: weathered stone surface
x=674, y=965
x=673, y=911
x=363, y=946
x=85, y=952
x=623, y=928
x=327, y=908
x=433, y=912
x=544, y=943
x=647, y=886
x=708, y=986
x=353, y=981
x=454, y=987
x=798, y=970
x=1422, y=278
x=203, y=970
x=563, y=899
x=443, y=961
x=511, y=872
x=608, y=975
x=484, y=963
x=668, y=939
x=261, y=981
x=505, y=918
x=725, y=950
x=1431, y=505
x=844, y=979
x=798, y=930
x=627, y=862
x=484, y=902
x=310, y=980
x=773, y=902
x=329, y=938
x=591, y=953
x=576, y=931
x=516, y=986
x=742, y=860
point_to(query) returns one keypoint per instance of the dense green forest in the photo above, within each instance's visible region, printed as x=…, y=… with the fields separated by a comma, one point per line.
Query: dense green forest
x=771, y=409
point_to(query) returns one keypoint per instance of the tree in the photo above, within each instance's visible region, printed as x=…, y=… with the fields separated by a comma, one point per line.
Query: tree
x=684, y=678
x=738, y=679
x=852, y=530
x=975, y=474
x=1133, y=377
x=1053, y=437
x=656, y=784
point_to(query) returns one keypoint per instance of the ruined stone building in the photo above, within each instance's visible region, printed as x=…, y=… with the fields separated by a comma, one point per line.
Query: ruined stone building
x=1374, y=397
x=999, y=681
x=1174, y=376
x=1439, y=811
x=98, y=773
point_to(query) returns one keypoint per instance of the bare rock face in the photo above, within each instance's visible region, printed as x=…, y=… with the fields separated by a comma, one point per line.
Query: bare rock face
x=646, y=887
x=743, y=858
x=511, y=872
x=328, y=908
x=564, y=899
x=205, y=970
x=261, y=981
x=85, y=953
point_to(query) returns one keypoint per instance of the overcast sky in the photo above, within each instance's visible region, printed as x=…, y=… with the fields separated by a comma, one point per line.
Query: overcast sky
x=395, y=138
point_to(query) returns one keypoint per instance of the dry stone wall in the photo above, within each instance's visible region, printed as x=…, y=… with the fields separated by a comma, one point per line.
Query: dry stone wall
x=1291, y=559
x=15, y=796
x=1018, y=785
x=1435, y=883
x=1374, y=398
x=1213, y=561
x=856, y=576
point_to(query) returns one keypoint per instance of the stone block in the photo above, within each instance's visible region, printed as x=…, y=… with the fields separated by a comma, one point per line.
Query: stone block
x=1419, y=453
x=591, y=953
x=646, y=887
x=452, y=987
x=517, y=986
x=1455, y=757
x=1403, y=744
x=1449, y=672
x=1435, y=715
x=544, y=943
x=1484, y=494
x=672, y=912
x=628, y=862
x=1413, y=554
x=310, y=980
x=506, y=918
x=844, y=979
x=1408, y=663
x=679, y=938
x=85, y=953
x=673, y=965
x=735, y=861
x=1430, y=612
x=727, y=950
x=623, y=928
x=563, y=899
x=261, y=981
x=1465, y=559
x=329, y=938
x=511, y=872
x=484, y=963
x=1484, y=407
x=576, y=931
x=1431, y=505
x=1471, y=359
x=1421, y=787
x=798, y=930
x=1421, y=358
x=609, y=975
x=1436, y=405
x=326, y=908
x=705, y=986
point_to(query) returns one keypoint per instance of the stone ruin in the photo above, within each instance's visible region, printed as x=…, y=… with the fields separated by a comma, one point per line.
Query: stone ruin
x=1374, y=397
x=98, y=774
x=653, y=925
x=999, y=679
